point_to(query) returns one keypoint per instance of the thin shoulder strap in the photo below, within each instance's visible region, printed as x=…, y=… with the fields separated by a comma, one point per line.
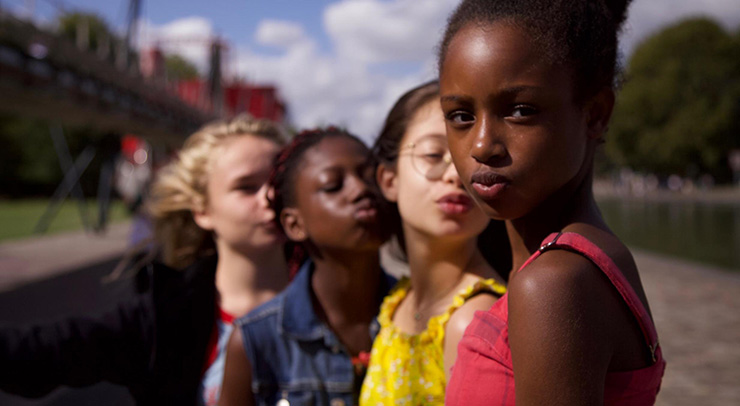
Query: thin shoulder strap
x=581, y=245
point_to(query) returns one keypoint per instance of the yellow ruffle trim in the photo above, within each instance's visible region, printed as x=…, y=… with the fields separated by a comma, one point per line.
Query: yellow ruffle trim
x=436, y=325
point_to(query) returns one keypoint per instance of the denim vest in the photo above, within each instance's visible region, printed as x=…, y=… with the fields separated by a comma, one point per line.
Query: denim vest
x=294, y=355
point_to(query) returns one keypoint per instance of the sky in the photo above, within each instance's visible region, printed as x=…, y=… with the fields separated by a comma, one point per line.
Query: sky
x=341, y=62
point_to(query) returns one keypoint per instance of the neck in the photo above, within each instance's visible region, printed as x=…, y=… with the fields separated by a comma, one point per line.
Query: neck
x=573, y=204
x=245, y=281
x=439, y=264
x=346, y=286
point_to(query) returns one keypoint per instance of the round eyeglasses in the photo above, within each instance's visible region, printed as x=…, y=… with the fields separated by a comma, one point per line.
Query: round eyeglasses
x=430, y=156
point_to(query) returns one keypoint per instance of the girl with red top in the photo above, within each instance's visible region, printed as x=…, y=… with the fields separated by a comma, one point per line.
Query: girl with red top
x=527, y=90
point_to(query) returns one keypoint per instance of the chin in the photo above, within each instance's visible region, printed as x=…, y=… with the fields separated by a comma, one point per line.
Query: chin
x=491, y=212
x=369, y=242
x=505, y=215
x=460, y=234
x=268, y=242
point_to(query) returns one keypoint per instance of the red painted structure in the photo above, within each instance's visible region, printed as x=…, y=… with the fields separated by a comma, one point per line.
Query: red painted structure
x=261, y=101
x=258, y=100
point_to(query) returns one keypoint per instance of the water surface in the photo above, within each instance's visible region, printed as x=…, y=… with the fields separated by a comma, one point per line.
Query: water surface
x=700, y=231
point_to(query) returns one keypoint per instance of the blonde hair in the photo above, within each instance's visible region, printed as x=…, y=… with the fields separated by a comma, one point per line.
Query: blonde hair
x=181, y=187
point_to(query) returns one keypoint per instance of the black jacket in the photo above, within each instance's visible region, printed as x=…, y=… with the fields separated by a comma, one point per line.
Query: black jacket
x=155, y=344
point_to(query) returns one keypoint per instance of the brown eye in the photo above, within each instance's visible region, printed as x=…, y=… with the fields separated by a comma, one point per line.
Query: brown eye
x=460, y=118
x=522, y=111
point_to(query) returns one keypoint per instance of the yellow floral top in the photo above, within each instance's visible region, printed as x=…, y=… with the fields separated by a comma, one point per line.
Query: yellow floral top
x=409, y=369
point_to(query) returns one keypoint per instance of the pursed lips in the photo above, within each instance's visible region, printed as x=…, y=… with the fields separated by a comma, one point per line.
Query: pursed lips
x=455, y=203
x=488, y=185
x=366, y=211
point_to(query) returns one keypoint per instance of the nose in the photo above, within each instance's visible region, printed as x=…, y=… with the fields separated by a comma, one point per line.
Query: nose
x=450, y=174
x=358, y=188
x=487, y=143
x=264, y=195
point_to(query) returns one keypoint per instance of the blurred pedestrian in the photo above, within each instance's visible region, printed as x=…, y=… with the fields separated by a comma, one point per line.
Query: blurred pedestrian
x=221, y=256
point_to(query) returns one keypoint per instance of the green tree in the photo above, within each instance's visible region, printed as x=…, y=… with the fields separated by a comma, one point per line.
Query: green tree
x=30, y=165
x=98, y=32
x=179, y=68
x=27, y=159
x=678, y=111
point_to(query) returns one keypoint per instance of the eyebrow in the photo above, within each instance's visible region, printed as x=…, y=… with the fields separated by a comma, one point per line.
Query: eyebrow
x=505, y=92
x=510, y=91
x=330, y=168
x=452, y=98
x=246, y=177
x=336, y=168
x=433, y=134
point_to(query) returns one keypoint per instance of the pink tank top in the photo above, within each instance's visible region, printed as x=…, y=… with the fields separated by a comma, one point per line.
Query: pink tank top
x=483, y=373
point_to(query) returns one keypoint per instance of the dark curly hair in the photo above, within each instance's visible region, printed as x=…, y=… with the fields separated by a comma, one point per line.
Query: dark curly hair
x=579, y=33
x=282, y=181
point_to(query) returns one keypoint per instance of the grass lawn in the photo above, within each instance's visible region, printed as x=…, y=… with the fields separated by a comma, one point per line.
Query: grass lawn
x=18, y=218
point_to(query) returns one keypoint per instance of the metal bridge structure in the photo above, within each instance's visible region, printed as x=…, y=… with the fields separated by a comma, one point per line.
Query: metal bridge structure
x=46, y=75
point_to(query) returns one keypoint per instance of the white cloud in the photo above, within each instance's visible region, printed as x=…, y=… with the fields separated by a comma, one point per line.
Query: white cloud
x=340, y=86
x=343, y=85
x=188, y=37
x=382, y=31
x=282, y=34
x=324, y=89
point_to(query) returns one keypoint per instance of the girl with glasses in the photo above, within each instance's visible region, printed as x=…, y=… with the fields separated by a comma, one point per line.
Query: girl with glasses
x=425, y=315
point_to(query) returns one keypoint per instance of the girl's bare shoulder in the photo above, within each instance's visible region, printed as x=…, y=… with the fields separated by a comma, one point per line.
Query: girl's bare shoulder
x=561, y=287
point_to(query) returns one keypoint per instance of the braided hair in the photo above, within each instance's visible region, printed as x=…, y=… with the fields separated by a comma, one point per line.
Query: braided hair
x=581, y=34
x=282, y=182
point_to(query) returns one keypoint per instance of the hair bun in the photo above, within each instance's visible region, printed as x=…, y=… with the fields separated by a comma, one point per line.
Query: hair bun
x=618, y=9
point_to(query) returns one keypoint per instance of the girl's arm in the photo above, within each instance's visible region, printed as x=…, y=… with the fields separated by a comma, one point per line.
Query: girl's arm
x=457, y=324
x=80, y=351
x=236, y=388
x=559, y=331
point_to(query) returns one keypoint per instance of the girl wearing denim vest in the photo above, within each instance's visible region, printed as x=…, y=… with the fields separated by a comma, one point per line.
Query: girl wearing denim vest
x=308, y=344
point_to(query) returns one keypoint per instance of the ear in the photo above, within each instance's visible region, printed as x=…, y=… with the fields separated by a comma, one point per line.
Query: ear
x=203, y=219
x=599, y=111
x=388, y=182
x=293, y=225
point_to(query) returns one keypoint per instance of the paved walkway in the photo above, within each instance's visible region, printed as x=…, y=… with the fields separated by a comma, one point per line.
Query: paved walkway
x=697, y=312
x=696, y=308
x=37, y=258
